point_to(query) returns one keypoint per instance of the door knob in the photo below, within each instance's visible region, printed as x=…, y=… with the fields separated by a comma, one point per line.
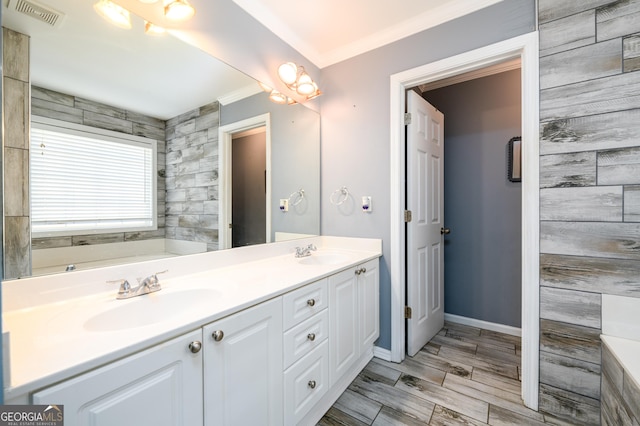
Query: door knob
x=445, y=231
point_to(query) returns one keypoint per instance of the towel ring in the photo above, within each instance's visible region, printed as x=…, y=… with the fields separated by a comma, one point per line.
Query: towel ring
x=339, y=196
x=296, y=197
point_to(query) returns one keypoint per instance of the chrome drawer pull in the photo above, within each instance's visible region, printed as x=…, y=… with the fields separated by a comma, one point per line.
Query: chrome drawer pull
x=311, y=336
x=217, y=335
x=311, y=302
x=312, y=384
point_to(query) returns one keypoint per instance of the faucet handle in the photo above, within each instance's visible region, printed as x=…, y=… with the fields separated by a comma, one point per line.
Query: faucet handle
x=125, y=287
x=312, y=247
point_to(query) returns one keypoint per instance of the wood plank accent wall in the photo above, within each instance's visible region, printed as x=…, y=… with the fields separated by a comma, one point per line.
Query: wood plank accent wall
x=590, y=190
x=192, y=176
x=15, y=112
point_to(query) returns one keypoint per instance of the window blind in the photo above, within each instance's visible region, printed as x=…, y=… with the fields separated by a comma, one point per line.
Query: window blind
x=85, y=182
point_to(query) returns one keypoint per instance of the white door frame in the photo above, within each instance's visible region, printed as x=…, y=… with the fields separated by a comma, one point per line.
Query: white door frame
x=225, y=137
x=524, y=47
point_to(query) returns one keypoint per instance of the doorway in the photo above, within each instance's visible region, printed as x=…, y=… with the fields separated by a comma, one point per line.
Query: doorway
x=248, y=188
x=260, y=183
x=525, y=48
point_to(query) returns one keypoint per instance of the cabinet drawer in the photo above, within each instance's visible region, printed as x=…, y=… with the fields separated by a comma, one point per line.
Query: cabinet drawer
x=304, y=337
x=305, y=382
x=303, y=303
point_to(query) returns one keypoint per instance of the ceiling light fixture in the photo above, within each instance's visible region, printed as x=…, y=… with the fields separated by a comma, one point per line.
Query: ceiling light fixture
x=178, y=10
x=296, y=78
x=152, y=29
x=117, y=15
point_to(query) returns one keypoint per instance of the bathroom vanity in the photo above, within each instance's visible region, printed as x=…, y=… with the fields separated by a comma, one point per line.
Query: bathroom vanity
x=244, y=336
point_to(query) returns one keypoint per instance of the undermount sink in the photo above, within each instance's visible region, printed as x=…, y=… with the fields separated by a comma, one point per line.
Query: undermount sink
x=324, y=259
x=148, y=309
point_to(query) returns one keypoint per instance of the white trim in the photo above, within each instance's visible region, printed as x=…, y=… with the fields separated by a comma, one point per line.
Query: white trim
x=382, y=353
x=239, y=94
x=525, y=47
x=513, y=64
x=485, y=325
x=225, y=137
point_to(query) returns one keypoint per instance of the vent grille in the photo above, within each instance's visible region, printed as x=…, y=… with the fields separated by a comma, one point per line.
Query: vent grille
x=37, y=11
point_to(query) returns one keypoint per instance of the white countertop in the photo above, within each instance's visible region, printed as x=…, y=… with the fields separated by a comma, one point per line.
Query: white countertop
x=65, y=336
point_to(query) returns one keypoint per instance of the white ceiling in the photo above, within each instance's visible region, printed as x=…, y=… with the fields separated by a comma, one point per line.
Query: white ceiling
x=85, y=56
x=329, y=31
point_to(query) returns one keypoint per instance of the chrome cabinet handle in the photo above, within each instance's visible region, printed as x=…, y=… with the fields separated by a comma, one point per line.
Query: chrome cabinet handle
x=217, y=335
x=311, y=302
x=361, y=271
x=311, y=336
x=312, y=384
x=195, y=346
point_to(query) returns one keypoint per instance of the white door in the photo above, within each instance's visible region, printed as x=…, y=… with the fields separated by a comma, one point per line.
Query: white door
x=425, y=254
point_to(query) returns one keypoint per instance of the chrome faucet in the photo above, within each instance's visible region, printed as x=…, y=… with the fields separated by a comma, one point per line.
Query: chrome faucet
x=305, y=251
x=145, y=286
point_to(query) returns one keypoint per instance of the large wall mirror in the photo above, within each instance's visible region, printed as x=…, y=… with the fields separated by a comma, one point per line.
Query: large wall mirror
x=222, y=158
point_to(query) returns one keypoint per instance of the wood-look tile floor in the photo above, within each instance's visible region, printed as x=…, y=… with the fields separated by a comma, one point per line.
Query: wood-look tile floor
x=463, y=376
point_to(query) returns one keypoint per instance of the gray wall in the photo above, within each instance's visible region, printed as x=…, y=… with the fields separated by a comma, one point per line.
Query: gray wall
x=481, y=206
x=590, y=181
x=295, y=159
x=355, y=121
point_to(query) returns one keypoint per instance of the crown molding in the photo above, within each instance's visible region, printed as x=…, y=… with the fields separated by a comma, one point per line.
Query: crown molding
x=429, y=19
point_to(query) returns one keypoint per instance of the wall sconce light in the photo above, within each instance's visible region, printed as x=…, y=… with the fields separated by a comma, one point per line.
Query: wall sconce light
x=178, y=10
x=152, y=29
x=117, y=15
x=297, y=79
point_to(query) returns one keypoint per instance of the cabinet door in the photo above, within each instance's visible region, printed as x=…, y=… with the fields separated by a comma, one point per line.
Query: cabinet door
x=343, y=306
x=158, y=386
x=369, y=304
x=243, y=367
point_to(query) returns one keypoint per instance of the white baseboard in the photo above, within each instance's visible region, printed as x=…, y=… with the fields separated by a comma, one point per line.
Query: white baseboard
x=384, y=354
x=500, y=328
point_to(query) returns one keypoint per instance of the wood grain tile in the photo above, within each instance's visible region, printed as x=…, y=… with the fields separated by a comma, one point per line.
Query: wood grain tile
x=390, y=417
x=549, y=10
x=414, y=367
x=335, y=417
x=393, y=397
x=455, y=343
x=496, y=380
x=613, y=406
x=15, y=109
x=447, y=417
x=568, y=170
x=569, y=406
x=499, y=416
x=631, y=53
x=577, y=376
x=486, y=363
x=468, y=406
x=611, y=276
x=588, y=62
x=443, y=364
x=379, y=372
x=570, y=340
x=591, y=239
x=612, y=369
x=16, y=182
x=358, y=406
x=619, y=166
x=568, y=33
x=617, y=19
x=15, y=55
x=594, y=204
x=632, y=203
x=618, y=129
x=572, y=307
x=631, y=395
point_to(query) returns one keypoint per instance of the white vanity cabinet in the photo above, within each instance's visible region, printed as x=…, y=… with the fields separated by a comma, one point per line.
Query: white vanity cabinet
x=159, y=386
x=354, y=319
x=243, y=367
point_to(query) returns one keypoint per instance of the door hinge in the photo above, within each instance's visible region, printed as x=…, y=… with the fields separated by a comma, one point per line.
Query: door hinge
x=407, y=312
x=407, y=118
x=407, y=216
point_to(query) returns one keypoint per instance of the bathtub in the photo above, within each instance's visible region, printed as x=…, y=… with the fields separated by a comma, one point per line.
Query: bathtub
x=54, y=260
x=620, y=386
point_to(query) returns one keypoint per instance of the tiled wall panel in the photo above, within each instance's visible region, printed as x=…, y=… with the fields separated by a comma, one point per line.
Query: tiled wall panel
x=192, y=176
x=589, y=199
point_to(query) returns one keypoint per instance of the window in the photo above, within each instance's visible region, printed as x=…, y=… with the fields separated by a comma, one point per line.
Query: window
x=86, y=180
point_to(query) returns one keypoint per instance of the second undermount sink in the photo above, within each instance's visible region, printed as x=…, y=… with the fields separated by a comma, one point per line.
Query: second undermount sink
x=326, y=258
x=149, y=309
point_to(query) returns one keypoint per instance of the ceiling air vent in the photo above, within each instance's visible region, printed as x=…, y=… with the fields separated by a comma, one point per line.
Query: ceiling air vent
x=37, y=11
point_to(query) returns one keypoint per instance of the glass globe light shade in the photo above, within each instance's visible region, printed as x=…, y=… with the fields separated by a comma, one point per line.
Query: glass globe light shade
x=113, y=13
x=288, y=72
x=178, y=10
